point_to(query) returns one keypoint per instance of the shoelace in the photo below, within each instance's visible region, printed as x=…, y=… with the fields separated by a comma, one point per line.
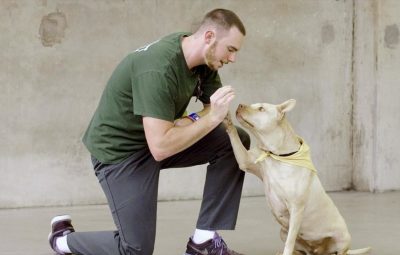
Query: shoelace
x=220, y=245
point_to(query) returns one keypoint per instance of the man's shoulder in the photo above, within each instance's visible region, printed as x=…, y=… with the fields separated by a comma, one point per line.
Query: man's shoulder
x=166, y=44
x=159, y=55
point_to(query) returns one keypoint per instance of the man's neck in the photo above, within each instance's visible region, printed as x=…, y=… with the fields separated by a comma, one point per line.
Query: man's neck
x=192, y=51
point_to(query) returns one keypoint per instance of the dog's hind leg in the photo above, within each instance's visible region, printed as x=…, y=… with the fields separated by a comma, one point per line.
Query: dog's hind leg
x=340, y=243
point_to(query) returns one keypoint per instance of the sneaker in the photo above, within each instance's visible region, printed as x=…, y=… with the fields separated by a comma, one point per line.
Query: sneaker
x=60, y=226
x=215, y=246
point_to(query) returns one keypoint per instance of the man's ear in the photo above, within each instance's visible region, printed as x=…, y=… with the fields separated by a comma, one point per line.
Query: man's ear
x=209, y=36
x=287, y=106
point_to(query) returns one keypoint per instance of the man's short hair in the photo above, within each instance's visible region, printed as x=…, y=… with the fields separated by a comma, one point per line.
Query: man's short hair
x=224, y=19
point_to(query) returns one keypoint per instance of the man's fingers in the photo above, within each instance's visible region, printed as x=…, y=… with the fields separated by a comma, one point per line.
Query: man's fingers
x=226, y=98
x=229, y=98
x=220, y=101
x=221, y=92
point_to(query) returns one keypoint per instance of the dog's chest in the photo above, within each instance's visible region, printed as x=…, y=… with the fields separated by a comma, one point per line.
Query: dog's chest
x=285, y=179
x=284, y=184
x=278, y=208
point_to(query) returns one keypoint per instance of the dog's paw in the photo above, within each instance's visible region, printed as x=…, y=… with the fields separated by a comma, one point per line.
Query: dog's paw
x=228, y=123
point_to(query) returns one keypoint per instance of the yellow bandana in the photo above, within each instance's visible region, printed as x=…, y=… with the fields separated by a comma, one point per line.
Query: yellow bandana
x=300, y=158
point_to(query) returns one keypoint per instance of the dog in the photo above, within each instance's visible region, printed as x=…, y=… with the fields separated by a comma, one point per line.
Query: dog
x=310, y=222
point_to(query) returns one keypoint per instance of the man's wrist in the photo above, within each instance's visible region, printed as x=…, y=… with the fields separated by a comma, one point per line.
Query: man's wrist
x=193, y=117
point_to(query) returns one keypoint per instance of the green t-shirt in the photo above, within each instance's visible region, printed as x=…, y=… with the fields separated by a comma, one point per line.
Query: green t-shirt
x=153, y=81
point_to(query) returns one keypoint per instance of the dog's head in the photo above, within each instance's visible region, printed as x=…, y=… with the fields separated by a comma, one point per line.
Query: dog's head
x=263, y=117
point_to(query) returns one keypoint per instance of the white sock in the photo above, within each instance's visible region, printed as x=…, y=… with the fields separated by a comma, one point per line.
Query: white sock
x=200, y=235
x=62, y=244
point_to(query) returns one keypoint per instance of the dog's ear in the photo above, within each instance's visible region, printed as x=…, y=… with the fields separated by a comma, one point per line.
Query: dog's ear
x=286, y=106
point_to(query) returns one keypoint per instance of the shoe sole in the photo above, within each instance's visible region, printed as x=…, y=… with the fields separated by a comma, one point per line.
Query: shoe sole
x=57, y=219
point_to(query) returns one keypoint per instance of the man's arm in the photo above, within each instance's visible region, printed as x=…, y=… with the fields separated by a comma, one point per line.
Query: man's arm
x=166, y=139
x=184, y=121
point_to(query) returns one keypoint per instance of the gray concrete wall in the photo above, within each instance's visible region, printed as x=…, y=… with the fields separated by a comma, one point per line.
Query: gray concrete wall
x=387, y=167
x=376, y=92
x=57, y=56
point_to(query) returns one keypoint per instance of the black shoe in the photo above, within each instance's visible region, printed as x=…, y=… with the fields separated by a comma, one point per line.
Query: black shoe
x=215, y=246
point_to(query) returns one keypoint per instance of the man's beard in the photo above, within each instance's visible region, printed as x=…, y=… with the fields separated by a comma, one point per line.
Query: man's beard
x=210, y=57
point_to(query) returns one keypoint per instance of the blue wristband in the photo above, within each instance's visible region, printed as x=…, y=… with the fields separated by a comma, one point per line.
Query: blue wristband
x=193, y=116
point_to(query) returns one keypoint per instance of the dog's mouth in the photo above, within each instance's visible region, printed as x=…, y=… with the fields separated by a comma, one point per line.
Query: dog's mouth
x=243, y=120
x=248, y=123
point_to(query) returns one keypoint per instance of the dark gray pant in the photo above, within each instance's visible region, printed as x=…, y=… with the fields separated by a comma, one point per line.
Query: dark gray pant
x=131, y=188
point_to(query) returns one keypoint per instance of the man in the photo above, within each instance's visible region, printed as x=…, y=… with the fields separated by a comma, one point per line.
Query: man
x=138, y=129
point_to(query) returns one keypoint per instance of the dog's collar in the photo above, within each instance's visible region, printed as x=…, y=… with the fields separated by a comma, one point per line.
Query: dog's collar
x=284, y=155
x=299, y=158
x=267, y=153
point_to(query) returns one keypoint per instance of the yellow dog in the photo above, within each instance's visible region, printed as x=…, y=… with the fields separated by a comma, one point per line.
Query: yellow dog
x=311, y=223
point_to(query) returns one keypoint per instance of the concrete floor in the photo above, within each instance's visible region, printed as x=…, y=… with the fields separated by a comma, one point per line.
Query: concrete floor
x=373, y=220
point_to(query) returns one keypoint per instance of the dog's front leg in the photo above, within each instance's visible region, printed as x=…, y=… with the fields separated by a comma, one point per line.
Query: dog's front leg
x=242, y=155
x=296, y=216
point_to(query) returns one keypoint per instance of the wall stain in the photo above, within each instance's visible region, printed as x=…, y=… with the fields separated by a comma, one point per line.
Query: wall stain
x=52, y=28
x=334, y=134
x=392, y=36
x=327, y=33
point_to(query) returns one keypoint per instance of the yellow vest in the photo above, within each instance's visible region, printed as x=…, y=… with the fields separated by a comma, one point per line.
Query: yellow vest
x=300, y=158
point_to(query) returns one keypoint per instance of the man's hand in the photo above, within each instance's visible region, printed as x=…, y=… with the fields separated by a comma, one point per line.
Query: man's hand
x=220, y=101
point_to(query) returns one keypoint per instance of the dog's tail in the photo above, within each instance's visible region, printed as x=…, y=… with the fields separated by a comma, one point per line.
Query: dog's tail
x=359, y=251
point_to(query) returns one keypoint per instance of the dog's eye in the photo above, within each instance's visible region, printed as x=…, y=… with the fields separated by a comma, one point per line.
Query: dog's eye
x=261, y=109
